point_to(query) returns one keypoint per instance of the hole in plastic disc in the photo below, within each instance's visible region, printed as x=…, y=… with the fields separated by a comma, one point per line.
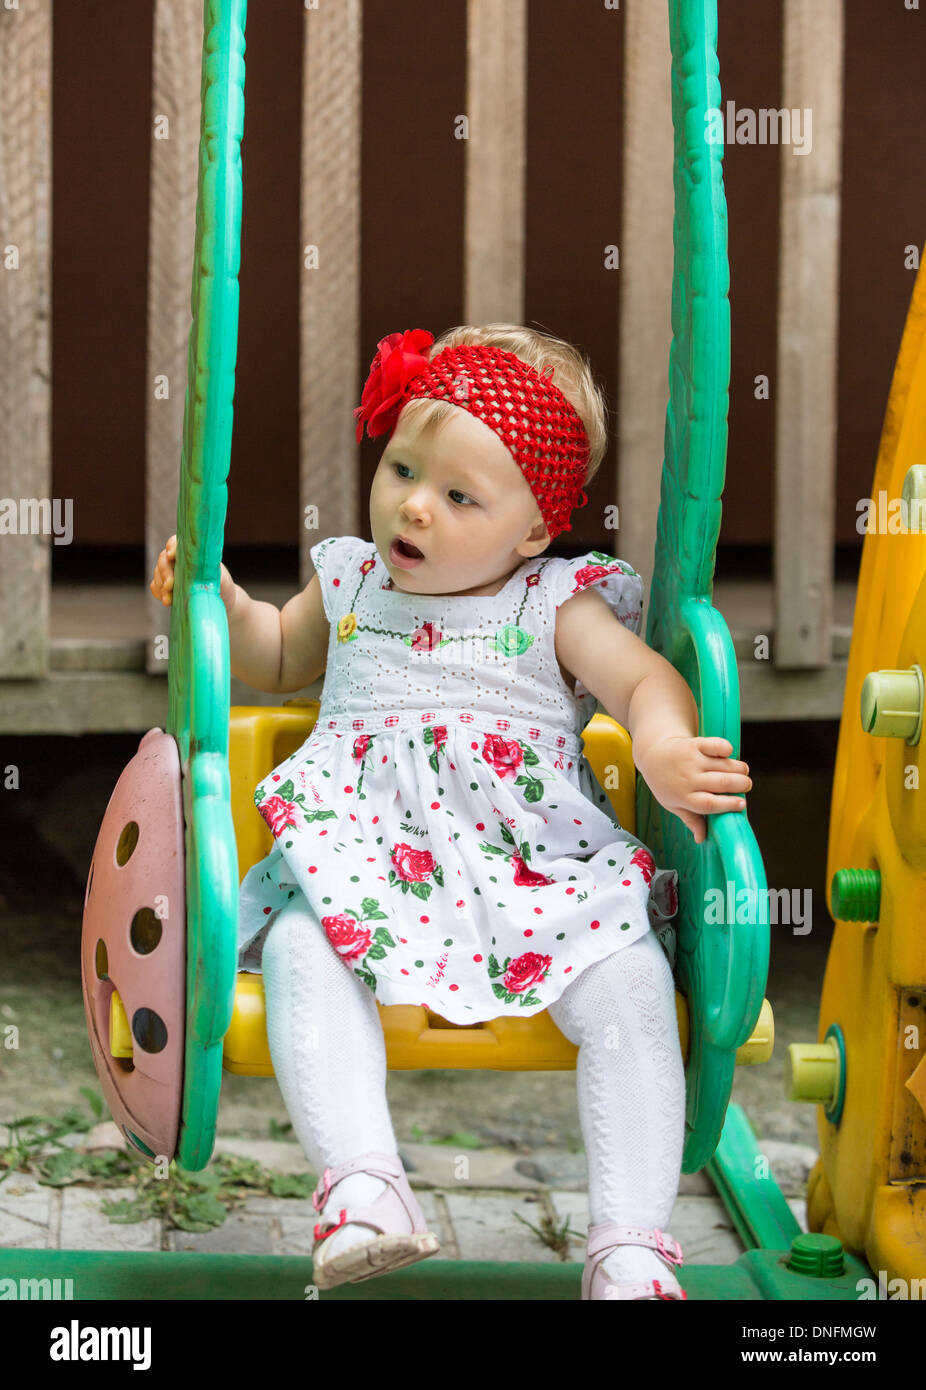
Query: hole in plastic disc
x=127, y=842
x=145, y=931
x=149, y=1030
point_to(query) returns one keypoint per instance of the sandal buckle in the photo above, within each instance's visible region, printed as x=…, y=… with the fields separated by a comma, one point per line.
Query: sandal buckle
x=673, y=1256
x=326, y=1179
x=323, y=1235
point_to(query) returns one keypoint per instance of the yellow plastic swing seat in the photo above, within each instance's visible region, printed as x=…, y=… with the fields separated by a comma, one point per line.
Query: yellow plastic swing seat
x=260, y=738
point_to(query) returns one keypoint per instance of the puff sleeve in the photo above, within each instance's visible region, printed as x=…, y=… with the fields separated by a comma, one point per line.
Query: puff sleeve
x=618, y=583
x=337, y=562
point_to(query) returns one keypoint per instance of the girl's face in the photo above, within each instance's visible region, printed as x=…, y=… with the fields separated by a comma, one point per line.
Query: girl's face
x=461, y=499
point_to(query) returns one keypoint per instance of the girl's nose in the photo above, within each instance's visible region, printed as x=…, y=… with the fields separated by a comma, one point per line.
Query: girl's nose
x=412, y=509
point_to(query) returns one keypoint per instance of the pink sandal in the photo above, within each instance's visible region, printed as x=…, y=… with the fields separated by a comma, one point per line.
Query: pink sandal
x=403, y=1236
x=607, y=1236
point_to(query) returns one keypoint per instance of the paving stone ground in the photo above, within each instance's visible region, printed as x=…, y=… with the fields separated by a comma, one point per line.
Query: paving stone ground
x=479, y=1204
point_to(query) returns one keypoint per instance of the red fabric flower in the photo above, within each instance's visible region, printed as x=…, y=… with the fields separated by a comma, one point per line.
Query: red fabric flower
x=644, y=861
x=280, y=815
x=503, y=755
x=529, y=969
x=426, y=638
x=589, y=573
x=414, y=865
x=348, y=936
x=525, y=877
x=399, y=358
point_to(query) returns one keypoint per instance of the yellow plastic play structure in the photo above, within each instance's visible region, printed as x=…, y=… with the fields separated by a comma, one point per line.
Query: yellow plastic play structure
x=868, y=1070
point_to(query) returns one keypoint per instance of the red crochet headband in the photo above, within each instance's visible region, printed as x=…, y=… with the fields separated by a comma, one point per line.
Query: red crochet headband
x=533, y=419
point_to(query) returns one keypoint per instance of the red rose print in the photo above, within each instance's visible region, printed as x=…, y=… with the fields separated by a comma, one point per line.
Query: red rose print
x=529, y=969
x=589, y=573
x=503, y=755
x=361, y=744
x=523, y=876
x=439, y=735
x=426, y=638
x=672, y=898
x=278, y=814
x=645, y=862
x=349, y=937
x=414, y=865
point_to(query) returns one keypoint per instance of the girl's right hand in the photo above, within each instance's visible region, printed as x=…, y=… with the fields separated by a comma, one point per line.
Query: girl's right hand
x=163, y=582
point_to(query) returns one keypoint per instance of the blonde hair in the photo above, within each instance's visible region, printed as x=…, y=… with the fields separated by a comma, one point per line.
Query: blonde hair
x=572, y=374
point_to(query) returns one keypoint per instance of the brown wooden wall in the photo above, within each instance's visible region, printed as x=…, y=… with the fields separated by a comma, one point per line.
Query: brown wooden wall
x=412, y=172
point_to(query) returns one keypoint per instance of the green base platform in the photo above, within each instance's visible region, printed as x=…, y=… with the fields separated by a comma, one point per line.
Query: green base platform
x=756, y=1276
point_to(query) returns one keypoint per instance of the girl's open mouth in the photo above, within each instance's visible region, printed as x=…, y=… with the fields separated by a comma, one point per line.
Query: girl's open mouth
x=403, y=555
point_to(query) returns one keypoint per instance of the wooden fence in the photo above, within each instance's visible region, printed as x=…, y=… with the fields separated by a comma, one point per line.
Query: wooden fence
x=493, y=278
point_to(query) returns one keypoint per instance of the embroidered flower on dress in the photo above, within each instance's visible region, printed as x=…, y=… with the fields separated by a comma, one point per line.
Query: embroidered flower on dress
x=512, y=640
x=426, y=638
x=347, y=628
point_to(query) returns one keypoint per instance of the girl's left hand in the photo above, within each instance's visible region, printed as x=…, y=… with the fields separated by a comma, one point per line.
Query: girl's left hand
x=690, y=775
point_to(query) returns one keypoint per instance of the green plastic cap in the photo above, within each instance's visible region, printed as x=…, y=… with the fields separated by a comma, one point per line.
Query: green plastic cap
x=855, y=895
x=818, y=1256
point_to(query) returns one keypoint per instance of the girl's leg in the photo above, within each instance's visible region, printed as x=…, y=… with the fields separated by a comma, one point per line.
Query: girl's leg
x=630, y=1078
x=329, y=1057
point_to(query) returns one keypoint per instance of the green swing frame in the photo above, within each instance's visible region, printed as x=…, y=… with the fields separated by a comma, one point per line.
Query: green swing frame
x=722, y=971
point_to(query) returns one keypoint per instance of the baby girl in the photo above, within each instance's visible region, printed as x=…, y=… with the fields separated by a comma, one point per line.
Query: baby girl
x=440, y=839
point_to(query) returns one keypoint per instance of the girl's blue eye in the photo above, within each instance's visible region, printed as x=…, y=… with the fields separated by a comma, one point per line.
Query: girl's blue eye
x=452, y=490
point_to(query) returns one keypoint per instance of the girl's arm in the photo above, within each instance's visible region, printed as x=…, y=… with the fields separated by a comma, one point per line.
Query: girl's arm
x=269, y=650
x=691, y=776
x=613, y=664
x=273, y=650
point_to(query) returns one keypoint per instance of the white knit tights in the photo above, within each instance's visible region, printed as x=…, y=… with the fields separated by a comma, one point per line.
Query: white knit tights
x=326, y=1043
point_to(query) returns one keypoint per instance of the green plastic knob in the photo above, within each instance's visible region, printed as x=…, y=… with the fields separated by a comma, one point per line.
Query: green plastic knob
x=855, y=895
x=913, y=496
x=818, y=1256
x=892, y=704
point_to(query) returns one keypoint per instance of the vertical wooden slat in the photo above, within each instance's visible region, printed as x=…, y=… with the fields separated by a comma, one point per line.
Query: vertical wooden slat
x=805, y=460
x=25, y=346
x=493, y=236
x=177, y=60
x=329, y=476
x=646, y=255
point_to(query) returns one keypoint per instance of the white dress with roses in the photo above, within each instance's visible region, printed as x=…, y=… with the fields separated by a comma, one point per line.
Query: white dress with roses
x=441, y=820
